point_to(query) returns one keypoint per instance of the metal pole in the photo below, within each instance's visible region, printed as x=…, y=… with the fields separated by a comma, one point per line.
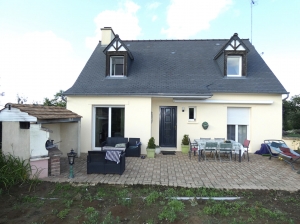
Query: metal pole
x=71, y=172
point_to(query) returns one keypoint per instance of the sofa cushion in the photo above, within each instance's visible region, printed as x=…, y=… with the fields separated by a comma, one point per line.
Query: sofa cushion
x=120, y=145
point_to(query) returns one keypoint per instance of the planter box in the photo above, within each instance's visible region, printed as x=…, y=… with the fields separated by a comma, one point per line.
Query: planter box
x=150, y=153
x=185, y=149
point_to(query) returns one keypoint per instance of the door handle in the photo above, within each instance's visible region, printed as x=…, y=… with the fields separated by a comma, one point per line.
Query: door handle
x=175, y=127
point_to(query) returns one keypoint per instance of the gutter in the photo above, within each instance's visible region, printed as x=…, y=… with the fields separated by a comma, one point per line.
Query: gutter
x=288, y=94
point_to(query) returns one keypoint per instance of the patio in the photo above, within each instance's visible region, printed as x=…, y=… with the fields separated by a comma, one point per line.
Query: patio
x=179, y=170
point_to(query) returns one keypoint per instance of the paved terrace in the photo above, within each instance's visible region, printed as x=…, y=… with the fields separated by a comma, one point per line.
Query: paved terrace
x=179, y=170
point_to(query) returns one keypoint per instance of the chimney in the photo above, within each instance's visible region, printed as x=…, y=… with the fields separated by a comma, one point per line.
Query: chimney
x=107, y=36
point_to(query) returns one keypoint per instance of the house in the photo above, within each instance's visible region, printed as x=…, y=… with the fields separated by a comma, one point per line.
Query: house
x=168, y=88
x=28, y=132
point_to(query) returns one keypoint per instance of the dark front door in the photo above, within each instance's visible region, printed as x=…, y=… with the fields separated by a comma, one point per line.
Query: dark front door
x=168, y=127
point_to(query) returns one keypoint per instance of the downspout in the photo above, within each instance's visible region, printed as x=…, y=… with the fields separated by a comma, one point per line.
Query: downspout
x=288, y=94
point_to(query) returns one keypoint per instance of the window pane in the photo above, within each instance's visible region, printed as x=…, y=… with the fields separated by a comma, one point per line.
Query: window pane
x=101, y=125
x=233, y=66
x=117, y=65
x=242, y=133
x=231, y=132
x=117, y=122
x=191, y=113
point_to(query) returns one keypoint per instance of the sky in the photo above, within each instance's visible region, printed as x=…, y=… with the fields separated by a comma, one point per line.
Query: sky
x=44, y=44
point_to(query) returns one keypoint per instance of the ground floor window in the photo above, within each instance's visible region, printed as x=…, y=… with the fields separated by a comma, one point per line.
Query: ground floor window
x=108, y=122
x=238, y=120
x=237, y=132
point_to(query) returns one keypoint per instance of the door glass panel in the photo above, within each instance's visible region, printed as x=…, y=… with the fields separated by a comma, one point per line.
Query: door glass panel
x=242, y=133
x=117, y=122
x=231, y=132
x=101, y=125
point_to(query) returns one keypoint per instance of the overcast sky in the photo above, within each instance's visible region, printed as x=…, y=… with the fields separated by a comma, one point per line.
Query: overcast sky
x=45, y=44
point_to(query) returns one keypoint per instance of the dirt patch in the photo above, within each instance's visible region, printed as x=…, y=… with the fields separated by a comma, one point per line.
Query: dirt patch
x=62, y=203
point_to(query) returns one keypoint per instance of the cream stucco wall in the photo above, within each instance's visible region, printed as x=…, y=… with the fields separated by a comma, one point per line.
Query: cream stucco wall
x=15, y=141
x=265, y=118
x=69, y=137
x=137, y=117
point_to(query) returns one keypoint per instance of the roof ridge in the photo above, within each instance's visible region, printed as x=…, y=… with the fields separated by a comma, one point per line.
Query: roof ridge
x=182, y=40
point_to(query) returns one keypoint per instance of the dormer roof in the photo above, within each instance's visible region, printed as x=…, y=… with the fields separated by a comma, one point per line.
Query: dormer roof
x=234, y=44
x=118, y=45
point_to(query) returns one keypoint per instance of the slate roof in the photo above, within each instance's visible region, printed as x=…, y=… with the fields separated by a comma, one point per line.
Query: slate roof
x=175, y=68
x=45, y=112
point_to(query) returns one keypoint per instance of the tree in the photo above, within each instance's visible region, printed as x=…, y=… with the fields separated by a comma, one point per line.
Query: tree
x=21, y=99
x=59, y=100
x=291, y=113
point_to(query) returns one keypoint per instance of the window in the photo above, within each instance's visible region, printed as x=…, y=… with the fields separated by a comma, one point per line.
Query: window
x=108, y=122
x=116, y=66
x=238, y=123
x=24, y=125
x=192, y=113
x=234, y=65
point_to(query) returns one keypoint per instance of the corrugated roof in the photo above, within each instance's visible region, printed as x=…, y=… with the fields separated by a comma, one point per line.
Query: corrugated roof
x=45, y=112
x=175, y=68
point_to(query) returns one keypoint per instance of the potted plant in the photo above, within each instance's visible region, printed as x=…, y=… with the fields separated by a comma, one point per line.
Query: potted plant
x=185, y=144
x=151, y=148
x=157, y=149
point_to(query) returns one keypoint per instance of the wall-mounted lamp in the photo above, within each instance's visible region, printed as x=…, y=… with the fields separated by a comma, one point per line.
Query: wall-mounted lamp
x=183, y=109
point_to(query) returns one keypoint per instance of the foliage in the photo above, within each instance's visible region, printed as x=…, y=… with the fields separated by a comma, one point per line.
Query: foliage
x=21, y=99
x=291, y=113
x=185, y=140
x=59, y=100
x=13, y=170
x=170, y=211
x=151, y=143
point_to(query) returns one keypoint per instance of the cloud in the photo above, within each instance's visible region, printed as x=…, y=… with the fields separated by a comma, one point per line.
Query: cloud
x=153, y=5
x=36, y=65
x=123, y=21
x=187, y=18
x=154, y=18
x=283, y=66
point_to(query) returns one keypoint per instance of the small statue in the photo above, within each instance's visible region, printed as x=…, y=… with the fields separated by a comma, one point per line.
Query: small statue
x=205, y=125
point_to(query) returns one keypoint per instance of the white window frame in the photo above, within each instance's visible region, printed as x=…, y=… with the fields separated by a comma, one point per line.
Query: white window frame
x=193, y=119
x=238, y=116
x=240, y=65
x=109, y=122
x=111, y=66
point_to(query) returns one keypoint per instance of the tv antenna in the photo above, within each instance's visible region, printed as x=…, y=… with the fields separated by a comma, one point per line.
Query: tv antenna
x=252, y=2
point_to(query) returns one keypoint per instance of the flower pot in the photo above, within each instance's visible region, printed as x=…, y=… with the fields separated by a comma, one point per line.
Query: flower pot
x=150, y=153
x=185, y=149
x=157, y=150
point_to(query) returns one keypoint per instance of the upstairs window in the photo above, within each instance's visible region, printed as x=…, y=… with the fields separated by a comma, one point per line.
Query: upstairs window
x=234, y=66
x=117, y=66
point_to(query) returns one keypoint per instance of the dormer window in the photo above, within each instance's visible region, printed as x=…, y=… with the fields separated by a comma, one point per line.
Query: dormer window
x=118, y=58
x=117, y=66
x=234, y=66
x=232, y=58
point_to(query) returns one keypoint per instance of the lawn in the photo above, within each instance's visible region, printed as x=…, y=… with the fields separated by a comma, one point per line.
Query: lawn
x=47, y=202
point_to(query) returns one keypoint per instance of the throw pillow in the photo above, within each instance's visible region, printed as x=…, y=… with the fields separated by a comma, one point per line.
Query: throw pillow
x=120, y=145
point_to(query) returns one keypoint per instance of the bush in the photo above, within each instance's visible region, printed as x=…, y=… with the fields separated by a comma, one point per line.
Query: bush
x=13, y=170
x=151, y=143
x=185, y=140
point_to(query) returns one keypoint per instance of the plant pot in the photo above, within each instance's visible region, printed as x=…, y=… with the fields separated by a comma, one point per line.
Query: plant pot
x=185, y=149
x=157, y=150
x=150, y=153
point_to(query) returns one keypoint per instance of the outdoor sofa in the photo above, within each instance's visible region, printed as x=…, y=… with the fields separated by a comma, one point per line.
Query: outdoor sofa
x=97, y=163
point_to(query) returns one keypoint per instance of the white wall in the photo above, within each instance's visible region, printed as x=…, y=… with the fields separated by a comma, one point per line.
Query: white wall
x=265, y=119
x=15, y=141
x=137, y=117
x=38, y=139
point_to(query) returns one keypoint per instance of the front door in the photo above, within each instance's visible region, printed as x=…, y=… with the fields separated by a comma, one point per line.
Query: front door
x=168, y=127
